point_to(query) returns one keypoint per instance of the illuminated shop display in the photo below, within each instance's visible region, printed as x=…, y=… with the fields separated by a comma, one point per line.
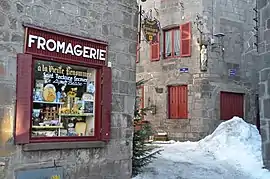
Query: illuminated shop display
x=64, y=89
x=63, y=100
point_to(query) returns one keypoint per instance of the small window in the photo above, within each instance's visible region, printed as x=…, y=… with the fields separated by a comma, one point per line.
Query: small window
x=63, y=100
x=231, y=104
x=172, y=43
x=178, y=102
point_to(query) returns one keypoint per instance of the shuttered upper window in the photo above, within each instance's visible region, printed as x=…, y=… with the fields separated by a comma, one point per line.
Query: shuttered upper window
x=178, y=102
x=177, y=41
x=231, y=104
x=172, y=43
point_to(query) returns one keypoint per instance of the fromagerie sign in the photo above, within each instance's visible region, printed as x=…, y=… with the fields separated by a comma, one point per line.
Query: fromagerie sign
x=54, y=44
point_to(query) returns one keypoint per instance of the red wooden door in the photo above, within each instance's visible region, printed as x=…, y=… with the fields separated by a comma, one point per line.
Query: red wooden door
x=231, y=104
x=177, y=99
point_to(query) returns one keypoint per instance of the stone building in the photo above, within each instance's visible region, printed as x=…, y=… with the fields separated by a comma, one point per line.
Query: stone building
x=263, y=66
x=188, y=99
x=42, y=42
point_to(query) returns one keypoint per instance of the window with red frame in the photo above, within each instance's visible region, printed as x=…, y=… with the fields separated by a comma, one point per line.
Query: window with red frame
x=177, y=41
x=172, y=43
x=62, y=94
x=59, y=101
x=63, y=100
x=178, y=102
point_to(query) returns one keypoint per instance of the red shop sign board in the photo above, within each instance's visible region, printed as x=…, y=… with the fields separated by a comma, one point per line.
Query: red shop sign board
x=47, y=43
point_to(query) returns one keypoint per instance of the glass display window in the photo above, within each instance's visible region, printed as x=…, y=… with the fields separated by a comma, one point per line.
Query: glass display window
x=63, y=100
x=63, y=89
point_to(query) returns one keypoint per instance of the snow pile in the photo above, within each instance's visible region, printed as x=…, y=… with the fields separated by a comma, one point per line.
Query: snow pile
x=163, y=142
x=233, y=150
x=237, y=143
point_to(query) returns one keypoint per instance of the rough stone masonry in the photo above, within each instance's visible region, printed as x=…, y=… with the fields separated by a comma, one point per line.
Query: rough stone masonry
x=114, y=21
x=263, y=67
x=231, y=17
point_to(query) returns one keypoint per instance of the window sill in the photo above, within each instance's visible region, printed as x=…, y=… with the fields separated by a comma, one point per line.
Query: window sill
x=172, y=58
x=177, y=118
x=62, y=145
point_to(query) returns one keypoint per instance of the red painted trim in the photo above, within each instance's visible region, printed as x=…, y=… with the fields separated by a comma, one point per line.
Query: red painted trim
x=62, y=139
x=187, y=39
x=106, y=103
x=155, y=45
x=31, y=97
x=23, y=114
x=64, y=34
x=64, y=60
x=97, y=106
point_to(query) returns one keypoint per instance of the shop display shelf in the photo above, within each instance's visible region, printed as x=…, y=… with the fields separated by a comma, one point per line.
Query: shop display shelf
x=45, y=102
x=76, y=115
x=47, y=127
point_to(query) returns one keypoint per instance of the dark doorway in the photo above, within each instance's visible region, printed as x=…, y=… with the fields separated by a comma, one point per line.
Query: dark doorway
x=257, y=103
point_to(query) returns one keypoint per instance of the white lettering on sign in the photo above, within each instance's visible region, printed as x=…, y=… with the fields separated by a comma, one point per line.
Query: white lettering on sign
x=66, y=48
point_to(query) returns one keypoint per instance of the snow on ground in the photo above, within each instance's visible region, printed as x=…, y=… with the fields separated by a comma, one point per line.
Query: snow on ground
x=232, y=151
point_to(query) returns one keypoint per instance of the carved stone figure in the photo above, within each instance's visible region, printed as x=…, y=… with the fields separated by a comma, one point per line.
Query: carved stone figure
x=203, y=58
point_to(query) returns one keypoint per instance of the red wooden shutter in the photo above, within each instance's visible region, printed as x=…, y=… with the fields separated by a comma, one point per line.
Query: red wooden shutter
x=24, y=98
x=106, y=103
x=178, y=106
x=155, y=50
x=185, y=46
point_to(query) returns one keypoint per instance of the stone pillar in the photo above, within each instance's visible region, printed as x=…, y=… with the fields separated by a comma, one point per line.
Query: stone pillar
x=264, y=92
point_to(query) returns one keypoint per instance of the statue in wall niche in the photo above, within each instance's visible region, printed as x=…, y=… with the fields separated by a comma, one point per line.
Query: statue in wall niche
x=203, y=58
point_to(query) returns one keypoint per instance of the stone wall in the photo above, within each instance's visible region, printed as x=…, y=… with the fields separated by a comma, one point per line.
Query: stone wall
x=166, y=72
x=114, y=21
x=264, y=75
x=231, y=17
